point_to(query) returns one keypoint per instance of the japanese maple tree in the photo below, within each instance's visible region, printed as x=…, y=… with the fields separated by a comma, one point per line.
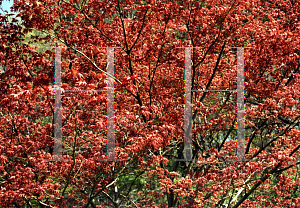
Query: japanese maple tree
x=148, y=39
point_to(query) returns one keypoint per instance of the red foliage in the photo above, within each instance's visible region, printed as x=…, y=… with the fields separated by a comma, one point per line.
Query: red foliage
x=149, y=104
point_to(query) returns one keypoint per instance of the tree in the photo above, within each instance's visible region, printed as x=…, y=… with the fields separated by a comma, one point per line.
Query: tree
x=149, y=104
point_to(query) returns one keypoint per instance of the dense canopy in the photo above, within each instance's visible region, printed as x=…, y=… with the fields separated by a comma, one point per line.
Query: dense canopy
x=149, y=101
